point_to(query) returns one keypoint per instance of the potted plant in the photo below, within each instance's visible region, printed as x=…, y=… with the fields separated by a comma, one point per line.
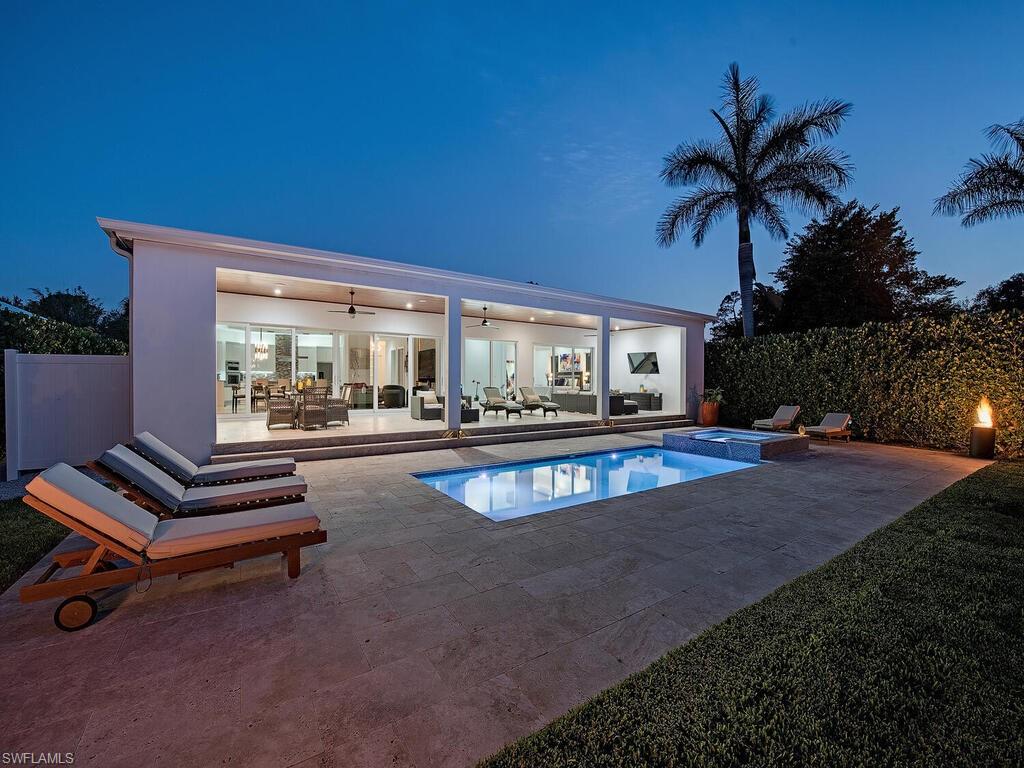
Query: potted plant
x=709, y=403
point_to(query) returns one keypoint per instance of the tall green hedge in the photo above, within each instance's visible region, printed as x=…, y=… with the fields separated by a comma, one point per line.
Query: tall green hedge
x=916, y=381
x=42, y=336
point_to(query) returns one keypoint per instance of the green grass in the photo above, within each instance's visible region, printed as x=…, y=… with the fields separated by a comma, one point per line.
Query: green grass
x=906, y=650
x=25, y=536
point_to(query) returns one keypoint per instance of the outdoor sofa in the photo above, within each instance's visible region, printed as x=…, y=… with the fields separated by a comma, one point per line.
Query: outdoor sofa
x=783, y=419
x=426, y=406
x=132, y=545
x=161, y=494
x=190, y=474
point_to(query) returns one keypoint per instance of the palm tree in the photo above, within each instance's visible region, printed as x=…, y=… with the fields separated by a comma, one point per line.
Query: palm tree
x=993, y=186
x=756, y=167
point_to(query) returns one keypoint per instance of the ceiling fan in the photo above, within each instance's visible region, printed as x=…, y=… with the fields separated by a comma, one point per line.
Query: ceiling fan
x=352, y=311
x=485, y=323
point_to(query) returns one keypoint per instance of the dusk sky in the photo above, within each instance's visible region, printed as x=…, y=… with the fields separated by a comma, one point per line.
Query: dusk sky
x=517, y=140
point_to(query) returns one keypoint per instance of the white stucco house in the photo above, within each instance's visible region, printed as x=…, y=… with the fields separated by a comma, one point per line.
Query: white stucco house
x=216, y=319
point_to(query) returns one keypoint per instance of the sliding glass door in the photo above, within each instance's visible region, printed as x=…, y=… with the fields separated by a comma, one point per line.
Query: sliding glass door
x=489, y=364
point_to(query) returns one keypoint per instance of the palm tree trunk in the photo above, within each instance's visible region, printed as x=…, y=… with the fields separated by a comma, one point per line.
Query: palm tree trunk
x=745, y=257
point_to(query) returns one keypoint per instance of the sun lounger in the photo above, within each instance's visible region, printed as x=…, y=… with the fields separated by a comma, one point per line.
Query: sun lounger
x=132, y=545
x=495, y=402
x=189, y=474
x=532, y=401
x=783, y=419
x=163, y=495
x=833, y=427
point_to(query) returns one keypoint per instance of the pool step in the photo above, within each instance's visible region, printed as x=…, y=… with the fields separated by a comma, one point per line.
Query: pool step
x=430, y=441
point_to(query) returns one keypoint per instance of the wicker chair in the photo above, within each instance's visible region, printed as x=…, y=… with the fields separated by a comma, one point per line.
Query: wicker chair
x=280, y=413
x=313, y=408
x=337, y=408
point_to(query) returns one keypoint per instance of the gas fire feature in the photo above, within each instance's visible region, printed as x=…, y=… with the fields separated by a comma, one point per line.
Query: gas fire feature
x=983, y=433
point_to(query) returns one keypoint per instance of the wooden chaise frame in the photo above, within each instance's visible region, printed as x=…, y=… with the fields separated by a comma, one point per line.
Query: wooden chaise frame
x=99, y=570
x=150, y=504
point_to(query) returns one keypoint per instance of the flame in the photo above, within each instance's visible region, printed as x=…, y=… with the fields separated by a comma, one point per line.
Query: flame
x=984, y=413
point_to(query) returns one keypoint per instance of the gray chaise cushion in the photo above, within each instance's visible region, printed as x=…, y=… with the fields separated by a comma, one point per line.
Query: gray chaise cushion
x=244, y=470
x=214, y=496
x=148, y=478
x=93, y=504
x=159, y=452
x=201, y=534
x=185, y=471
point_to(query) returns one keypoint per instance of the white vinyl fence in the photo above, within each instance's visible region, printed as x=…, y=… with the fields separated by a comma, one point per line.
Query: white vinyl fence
x=67, y=408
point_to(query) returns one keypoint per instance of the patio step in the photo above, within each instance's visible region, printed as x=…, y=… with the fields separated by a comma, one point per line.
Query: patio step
x=430, y=441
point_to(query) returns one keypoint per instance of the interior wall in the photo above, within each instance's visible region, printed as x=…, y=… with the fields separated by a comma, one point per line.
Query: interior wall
x=667, y=342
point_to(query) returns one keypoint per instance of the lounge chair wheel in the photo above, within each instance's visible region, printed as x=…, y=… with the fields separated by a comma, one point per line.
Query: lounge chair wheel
x=75, y=613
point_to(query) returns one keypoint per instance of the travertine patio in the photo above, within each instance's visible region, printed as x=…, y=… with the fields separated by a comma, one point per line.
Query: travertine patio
x=422, y=633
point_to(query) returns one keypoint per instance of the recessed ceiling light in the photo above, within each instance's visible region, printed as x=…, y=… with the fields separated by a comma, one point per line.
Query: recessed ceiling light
x=616, y=327
x=532, y=319
x=277, y=291
x=408, y=305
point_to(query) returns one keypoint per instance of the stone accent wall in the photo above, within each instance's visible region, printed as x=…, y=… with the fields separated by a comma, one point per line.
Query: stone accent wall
x=283, y=356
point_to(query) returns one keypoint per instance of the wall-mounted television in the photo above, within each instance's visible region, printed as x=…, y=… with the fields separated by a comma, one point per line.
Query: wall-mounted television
x=643, y=362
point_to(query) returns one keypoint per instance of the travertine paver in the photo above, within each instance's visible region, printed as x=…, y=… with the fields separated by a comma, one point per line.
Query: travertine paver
x=422, y=633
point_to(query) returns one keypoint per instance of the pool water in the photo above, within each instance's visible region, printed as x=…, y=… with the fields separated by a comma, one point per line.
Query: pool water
x=720, y=435
x=517, y=489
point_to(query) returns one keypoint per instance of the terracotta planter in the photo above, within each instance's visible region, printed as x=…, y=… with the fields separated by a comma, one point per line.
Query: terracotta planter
x=709, y=414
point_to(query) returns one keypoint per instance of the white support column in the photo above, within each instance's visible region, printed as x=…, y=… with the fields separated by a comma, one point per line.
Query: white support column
x=604, y=367
x=409, y=343
x=693, y=374
x=373, y=371
x=453, y=361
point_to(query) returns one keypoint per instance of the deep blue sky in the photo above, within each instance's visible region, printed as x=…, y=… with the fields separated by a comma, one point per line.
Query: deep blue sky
x=521, y=140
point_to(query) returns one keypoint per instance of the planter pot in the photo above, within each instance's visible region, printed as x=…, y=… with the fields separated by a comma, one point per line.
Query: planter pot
x=709, y=414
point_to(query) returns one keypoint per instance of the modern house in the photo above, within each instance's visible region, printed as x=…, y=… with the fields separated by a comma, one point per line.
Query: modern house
x=218, y=323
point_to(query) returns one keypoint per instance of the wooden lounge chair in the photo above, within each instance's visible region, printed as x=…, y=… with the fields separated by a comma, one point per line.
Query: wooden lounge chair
x=833, y=427
x=532, y=401
x=132, y=545
x=158, y=492
x=495, y=402
x=783, y=419
x=189, y=474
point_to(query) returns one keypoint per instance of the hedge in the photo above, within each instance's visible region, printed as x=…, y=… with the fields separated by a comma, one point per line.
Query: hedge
x=42, y=336
x=916, y=382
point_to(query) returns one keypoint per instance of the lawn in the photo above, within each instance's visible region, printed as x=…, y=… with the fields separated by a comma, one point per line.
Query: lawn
x=906, y=650
x=25, y=536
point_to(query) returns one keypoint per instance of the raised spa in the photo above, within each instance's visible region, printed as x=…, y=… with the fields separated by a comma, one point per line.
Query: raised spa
x=735, y=444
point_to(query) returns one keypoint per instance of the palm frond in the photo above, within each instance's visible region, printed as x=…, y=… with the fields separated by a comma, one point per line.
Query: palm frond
x=739, y=94
x=771, y=216
x=990, y=187
x=697, y=163
x=705, y=204
x=822, y=165
x=800, y=128
x=1008, y=136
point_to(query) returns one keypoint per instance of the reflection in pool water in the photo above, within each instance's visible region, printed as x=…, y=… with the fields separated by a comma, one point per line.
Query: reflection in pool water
x=507, y=491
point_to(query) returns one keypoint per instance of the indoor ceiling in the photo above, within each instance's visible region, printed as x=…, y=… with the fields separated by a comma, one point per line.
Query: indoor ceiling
x=336, y=294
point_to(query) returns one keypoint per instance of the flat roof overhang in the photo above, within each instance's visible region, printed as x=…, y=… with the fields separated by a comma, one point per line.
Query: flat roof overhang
x=272, y=258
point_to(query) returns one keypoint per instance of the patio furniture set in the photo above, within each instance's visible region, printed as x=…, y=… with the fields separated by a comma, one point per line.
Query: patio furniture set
x=170, y=516
x=312, y=408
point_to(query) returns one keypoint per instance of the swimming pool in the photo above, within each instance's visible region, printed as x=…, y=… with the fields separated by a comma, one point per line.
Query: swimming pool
x=517, y=489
